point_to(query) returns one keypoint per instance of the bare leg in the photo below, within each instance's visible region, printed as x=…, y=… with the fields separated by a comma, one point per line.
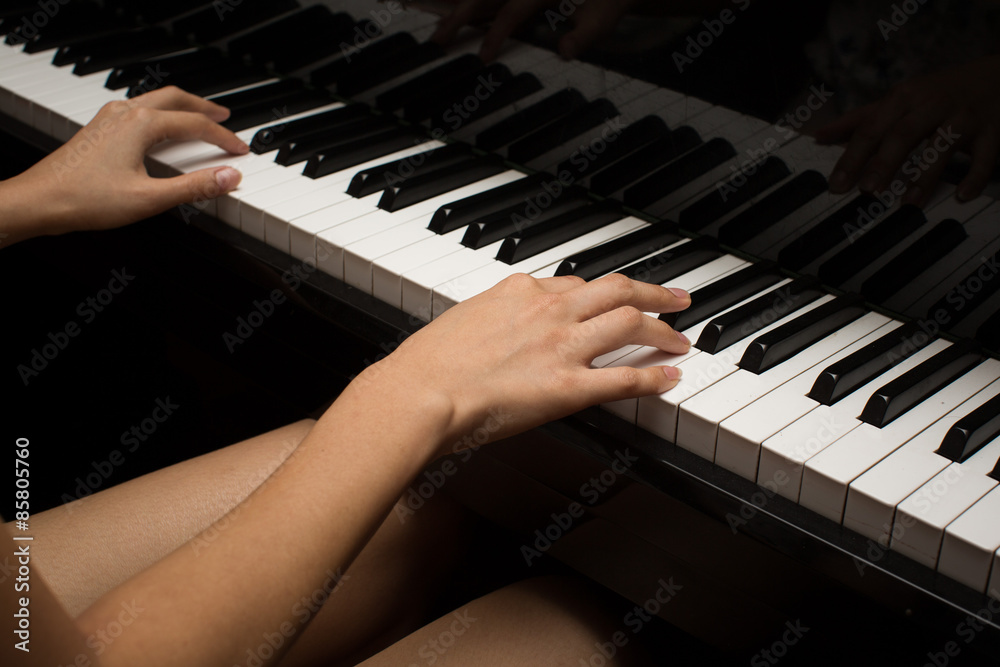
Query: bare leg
x=545, y=622
x=88, y=547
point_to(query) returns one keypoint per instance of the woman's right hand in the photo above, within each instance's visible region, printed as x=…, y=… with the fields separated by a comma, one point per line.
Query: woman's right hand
x=524, y=348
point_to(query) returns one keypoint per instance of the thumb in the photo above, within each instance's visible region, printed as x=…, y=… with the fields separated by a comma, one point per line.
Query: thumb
x=197, y=186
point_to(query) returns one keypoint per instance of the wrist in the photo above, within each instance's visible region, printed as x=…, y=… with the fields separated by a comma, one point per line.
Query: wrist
x=26, y=211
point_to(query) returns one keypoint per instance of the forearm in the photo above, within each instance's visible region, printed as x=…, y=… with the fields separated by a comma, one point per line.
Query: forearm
x=231, y=586
x=24, y=213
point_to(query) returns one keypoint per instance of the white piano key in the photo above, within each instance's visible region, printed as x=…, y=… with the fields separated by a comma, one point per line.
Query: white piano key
x=273, y=175
x=970, y=542
x=699, y=417
x=922, y=517
x=994, y=587
x=873, y=496
x=482, y=279
x=388, y=270
x=358, y=256
x=740, y=435
x=787, y=451
x=827, y=474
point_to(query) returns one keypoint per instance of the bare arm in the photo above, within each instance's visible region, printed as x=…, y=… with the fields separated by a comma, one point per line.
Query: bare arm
x=97, y=180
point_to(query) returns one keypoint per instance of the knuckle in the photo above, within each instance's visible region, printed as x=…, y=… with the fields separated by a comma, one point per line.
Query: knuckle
x=519, y=281
x=630, y=379
x=620, y=283
x=632, y=319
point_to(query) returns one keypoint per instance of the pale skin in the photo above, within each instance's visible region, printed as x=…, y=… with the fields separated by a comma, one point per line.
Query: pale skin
x=527, y=348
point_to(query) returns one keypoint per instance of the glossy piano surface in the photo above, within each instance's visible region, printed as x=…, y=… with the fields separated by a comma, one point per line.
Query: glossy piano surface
x=752, y=408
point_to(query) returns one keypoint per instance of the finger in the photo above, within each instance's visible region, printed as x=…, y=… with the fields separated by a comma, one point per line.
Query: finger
x=186, y=126
x=899, y=142
x=841, y=129
x=605, y=385
x=984, y=151
x=627, y=326
x=508, y=19
x=922, y=188
x=467, y=13
x=559, y=284
x=614, y=291
x=172, y=98
x=197, y=186
x=592, y=22
x=863, y=144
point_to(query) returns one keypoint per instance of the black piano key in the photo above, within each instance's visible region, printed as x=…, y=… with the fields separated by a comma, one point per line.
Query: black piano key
x=396, y=97
x=787, y=340
x=996, y=472
x=864, y=365
x=645, y=160
x=366, y=61
x=460, y=213
x=420, y=188
x=264, y=111
x=223, y=77
x=510, y=129
x=967, y=294
x=270, y=138
x=721, y=294
x=355, y=81
x=871, y=245
x=922, y=254
x=673, y=262
x=639, y=134
x=773, y=208
x=301, y=149
x=291, y=39
x=131, y=73
x=989, y=332
x=102, y=53
x=156, y=12
x=972, y=431
x=679, y=173
x=509, y=221
x=472, y=109
x=433, y=101
x=919, y=383
x=268, y=91
x=72, y=24
x=732, y=194
x=825, y=235
x=556, y=231
x=619, y=252
x=751, y=317
x=557, y=133
x=221, y=20
x=355, y=152
x=371, y=180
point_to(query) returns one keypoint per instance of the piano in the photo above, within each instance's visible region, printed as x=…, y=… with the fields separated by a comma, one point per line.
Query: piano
x=836, y=428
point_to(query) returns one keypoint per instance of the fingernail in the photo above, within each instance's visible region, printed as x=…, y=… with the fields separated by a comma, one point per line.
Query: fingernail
x=679, y=293
x=870, y=182
x=672, y=372
x=227, y=178
x=243, y=149
x=684, y=339
x=839, y=182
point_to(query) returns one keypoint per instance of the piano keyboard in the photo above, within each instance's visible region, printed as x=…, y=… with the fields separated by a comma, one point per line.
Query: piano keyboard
x=872, y=421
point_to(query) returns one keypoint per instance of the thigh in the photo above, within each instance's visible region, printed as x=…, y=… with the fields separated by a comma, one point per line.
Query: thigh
x=86, y=548
x=538, y=622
